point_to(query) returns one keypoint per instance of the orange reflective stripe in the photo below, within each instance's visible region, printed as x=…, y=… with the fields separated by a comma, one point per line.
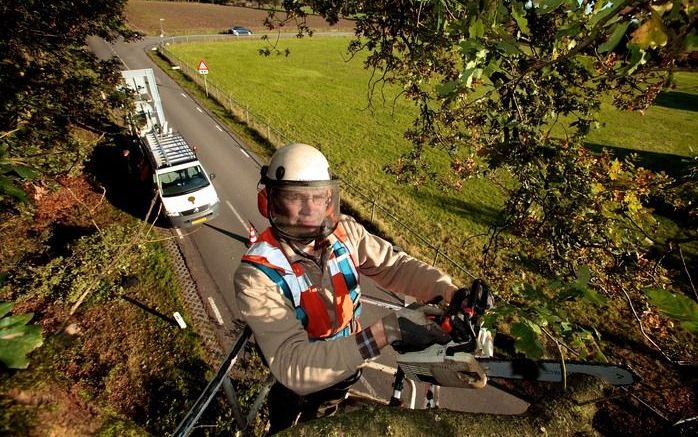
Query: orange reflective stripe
x=344, y=307
x=258, y=259
x=319, y=325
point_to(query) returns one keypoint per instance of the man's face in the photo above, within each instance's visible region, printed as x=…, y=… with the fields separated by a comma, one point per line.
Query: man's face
x=306, y=207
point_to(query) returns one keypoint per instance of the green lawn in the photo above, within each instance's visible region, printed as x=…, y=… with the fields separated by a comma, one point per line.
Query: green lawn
x=318, y=96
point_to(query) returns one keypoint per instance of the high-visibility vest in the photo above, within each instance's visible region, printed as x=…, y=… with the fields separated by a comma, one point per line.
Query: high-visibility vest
x=267, y=256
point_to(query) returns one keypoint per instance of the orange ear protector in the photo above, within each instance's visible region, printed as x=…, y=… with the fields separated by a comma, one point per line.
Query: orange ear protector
x=262, y=197
x=263, y=202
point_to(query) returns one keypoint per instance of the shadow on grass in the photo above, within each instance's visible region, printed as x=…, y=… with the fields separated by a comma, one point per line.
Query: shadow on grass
x=677, y=100
x=485, y=215
x=116, y=173
x=674, y=165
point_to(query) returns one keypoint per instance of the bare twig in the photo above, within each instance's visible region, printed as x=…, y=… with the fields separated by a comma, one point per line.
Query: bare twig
x=690, y=281
x=559, y=343
x=642, y=329
x=117, y=258
x=89, y=210
x=562, y=358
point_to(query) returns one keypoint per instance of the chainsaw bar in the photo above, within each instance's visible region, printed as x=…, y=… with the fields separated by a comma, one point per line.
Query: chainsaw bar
x=552, y=371
x=439, y=365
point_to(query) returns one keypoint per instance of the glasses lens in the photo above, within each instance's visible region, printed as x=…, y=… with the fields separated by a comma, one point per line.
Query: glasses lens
x=305, y=212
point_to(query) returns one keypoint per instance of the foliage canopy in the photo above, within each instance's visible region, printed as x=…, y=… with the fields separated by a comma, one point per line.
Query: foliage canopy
x=517, y=86
x=50, y=83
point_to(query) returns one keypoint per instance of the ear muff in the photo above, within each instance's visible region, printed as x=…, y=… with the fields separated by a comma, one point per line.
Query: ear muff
x=263, y=202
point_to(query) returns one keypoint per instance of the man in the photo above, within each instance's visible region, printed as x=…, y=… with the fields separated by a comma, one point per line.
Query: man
x=298, y=289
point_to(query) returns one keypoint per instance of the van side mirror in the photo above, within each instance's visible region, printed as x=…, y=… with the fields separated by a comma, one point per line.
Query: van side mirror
x=212, y=176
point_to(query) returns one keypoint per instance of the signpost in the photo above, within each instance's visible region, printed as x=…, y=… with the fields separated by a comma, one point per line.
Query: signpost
x=203, y=69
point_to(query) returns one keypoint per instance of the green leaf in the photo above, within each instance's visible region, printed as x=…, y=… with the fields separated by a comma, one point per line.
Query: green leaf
x=476, y=28
x=614, y=39
x=508, y=48
x=588, y=63
x=675, y=306
x=470, y=47
x=583, y=276
x=5, y=307
x=570, y=30
x=19, y=319
x=492, y=67
x=637, y=58
x=690, y=327
x=446, y=89
x=25, y=172
x=527, y=335
x=16, y=343
x=594, y=297
x=691, y=43
x=469, y=75
x=603, y=13
x=8, y=187
x=517, y=11
x=547, y=6
x=650, y=34
x=532, y=293
x=17, y=339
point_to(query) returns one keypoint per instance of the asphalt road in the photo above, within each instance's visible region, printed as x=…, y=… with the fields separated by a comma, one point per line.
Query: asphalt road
x=213, y=250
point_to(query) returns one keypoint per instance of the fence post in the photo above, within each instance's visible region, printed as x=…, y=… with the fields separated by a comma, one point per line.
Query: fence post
x=436, y=257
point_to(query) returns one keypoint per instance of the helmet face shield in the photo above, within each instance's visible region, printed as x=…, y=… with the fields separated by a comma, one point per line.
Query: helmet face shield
x=304, y=211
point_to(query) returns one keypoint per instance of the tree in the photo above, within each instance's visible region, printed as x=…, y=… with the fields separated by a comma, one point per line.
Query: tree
x=517, y=86
x=50, y=84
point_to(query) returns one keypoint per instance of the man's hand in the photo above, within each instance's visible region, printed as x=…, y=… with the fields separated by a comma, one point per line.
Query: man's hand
x=473, y=301
x=409, y=330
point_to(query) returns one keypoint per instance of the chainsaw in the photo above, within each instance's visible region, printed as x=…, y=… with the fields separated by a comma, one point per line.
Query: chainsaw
x=467, y=361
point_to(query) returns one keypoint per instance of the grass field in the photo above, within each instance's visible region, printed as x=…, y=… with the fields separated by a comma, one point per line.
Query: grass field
x=317, y=96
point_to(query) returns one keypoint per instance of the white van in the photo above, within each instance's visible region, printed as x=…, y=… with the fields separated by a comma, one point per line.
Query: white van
x=184, y=187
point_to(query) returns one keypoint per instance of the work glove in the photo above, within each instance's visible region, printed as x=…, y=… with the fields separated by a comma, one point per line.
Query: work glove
x=409, y=329
x=474, y=301
x=471, y=303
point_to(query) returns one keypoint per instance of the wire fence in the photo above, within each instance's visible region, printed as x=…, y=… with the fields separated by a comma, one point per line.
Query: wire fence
x=360, y=198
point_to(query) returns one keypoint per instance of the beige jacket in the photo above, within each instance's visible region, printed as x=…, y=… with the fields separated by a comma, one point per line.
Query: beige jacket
x=306, y=367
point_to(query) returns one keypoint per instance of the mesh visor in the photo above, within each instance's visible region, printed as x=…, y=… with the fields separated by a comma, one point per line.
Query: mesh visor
x=307, y=211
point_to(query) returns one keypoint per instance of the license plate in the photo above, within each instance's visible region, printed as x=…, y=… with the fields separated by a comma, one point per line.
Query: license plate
x=199, y=220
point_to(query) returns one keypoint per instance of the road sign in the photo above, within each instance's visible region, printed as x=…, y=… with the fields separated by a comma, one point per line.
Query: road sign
x=203, y=68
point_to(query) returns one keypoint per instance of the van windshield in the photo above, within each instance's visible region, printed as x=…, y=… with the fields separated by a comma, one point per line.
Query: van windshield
x=183, y=181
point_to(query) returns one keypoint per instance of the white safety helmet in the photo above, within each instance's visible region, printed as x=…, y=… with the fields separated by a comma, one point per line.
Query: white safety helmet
x=299, y=197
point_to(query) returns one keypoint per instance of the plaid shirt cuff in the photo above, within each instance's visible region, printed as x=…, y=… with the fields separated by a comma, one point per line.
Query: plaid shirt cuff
x=367, y=344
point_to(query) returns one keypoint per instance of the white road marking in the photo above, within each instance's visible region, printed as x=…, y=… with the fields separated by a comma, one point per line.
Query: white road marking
x=244, y=224
x=179, y=233
x=243, y=152
x=215, y=311
x=219, y=128
x=183, y=95
x=180, y=321
x=199, y=109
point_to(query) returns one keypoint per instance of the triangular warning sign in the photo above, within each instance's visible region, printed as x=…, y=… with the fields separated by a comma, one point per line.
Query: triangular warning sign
x=202, y=65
